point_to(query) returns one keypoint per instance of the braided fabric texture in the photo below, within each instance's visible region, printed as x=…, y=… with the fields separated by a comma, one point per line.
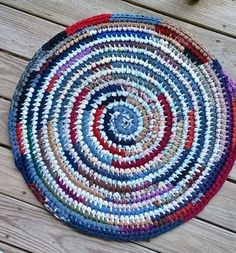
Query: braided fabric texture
x=124, y=126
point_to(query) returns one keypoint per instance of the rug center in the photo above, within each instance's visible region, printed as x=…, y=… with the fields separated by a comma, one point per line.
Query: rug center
x=123, y=121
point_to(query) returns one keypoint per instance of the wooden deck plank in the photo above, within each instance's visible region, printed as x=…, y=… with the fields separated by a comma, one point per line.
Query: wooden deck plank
x=4, y=109
x=11, y=69
x=232, y=174
x=24, y=34
x=221, y=210
x=34, y=31
x=12, y=182
x=6, y=248
x=195, y=236
x=32, y=227
x=206, y=13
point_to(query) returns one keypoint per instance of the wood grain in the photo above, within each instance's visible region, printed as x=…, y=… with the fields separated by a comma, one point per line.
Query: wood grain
x=6, y=248
x=12, y=182
x=34, y=32
x=232, y=174
x=221, y=210
x=11, y=69
x=207, y=13
x=195, y=237
x=34, y=229
x=4, y=109
x=24, y=34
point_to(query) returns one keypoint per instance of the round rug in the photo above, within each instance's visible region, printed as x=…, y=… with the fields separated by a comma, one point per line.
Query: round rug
x=124, y=126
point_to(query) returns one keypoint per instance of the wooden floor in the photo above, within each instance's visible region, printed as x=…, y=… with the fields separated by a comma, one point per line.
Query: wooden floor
x=25, y=25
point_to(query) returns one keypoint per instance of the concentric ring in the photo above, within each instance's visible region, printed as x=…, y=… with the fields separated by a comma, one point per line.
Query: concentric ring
x=124, y=126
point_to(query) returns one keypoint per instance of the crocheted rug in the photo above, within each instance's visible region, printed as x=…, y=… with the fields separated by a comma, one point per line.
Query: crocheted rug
x=124, y=126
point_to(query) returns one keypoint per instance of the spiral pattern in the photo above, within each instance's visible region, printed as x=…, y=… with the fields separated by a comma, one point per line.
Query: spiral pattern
x=124, y=126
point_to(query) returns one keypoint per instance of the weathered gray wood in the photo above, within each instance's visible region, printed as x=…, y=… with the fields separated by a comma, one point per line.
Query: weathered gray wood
x=35, y=230
x=195, y=236
x=34, y=32
x=11, y=69
x=4, y=109
x=6, y=248
x=11, y=181
x=207, y=13
x=24, y=34
x=221, y=210
x=232, y=174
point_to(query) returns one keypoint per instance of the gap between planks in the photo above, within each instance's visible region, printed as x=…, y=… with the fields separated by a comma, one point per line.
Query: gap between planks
x=14, y=54
x=8, y=248
x=208, y=14
x=197, y=15
x=18, y=227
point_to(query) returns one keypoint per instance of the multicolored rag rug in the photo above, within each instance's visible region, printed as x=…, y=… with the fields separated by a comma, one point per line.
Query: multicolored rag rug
x=124, y=126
